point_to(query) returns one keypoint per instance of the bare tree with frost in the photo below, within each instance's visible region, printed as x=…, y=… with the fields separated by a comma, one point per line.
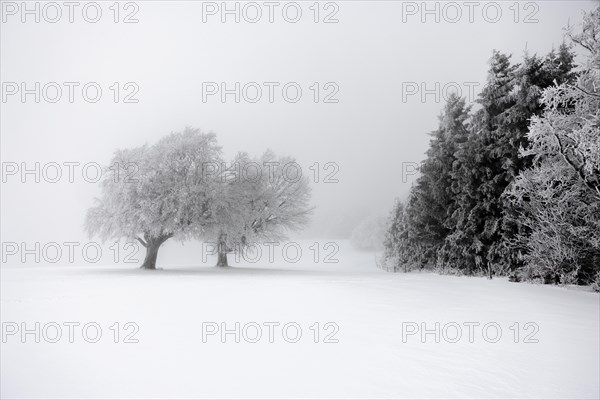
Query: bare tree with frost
x=558, y=198
x=259, y=199
x=154, y=193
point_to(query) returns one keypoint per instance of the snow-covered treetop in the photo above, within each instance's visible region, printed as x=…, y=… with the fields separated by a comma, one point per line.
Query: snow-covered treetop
x=261, y=199
x=159, y=190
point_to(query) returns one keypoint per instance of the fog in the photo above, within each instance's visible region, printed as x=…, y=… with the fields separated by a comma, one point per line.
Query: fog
x=368, y=57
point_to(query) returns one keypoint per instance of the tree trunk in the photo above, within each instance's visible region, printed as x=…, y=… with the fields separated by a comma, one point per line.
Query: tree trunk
x=222, y=259
x=152, y=245
x=222, y=251
x=151, y=255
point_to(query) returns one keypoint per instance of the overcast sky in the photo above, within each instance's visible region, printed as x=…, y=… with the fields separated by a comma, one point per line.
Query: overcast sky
x=374, y=50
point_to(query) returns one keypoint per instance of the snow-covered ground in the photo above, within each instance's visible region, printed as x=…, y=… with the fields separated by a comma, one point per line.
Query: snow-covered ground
x=360, y=353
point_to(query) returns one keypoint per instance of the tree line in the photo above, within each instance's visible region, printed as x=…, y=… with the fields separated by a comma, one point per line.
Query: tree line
x=511, y=184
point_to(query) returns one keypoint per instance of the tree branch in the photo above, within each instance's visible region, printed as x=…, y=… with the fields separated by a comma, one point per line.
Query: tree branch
x=578, y=170
x=586, y=92
x=142, y=241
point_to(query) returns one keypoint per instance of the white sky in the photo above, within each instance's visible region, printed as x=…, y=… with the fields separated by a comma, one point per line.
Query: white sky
x=370, y=53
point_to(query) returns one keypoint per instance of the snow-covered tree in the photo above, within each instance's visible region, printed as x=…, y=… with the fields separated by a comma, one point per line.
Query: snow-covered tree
x=260, y=199
x=154, y=193
x=417, y=229
x=396, y=239
x=558, y=198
